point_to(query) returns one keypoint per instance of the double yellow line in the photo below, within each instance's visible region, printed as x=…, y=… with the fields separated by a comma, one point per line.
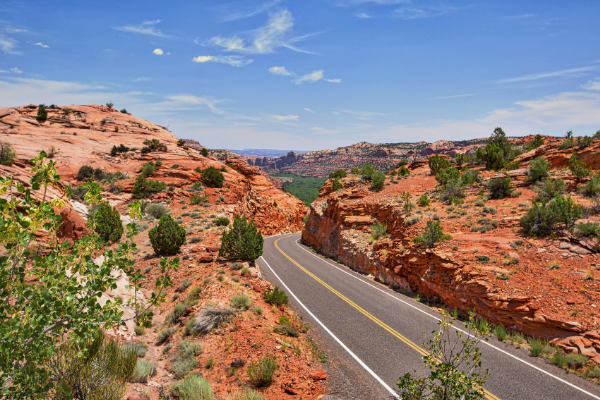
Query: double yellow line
x=395, y=333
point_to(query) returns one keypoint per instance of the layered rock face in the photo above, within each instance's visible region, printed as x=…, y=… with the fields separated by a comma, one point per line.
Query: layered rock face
x=84, y=135
x=502, y=274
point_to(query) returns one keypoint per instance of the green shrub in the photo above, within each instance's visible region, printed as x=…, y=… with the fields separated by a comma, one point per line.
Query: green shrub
x=593, y=372
x=497, y=151
x=276, y=297
x=338, y=174
x=437, y=163
x=452, y=190
x=377, y=180
x=261, y=373
x=367, y=171
x=139, y=348
x=482, y=258
x=445, y=175
x=108, y=223
x=500, y=187
x=236, y=266
x=432, y=234
x=336, y=185
x=148, y=169
x=143, y=187
x=539, y=169
x=412, y=220
x=164, y=335
x=588, y=228
x=576, y=361
x=403, y=171
x=378, y=230
x=550, y=188
x=85, y=172
x=543, y=217
x=470, y=177
x=585, y=141
x=157, y=210
x=243, y=241
x=8, y=155
x=592, y=187
x=221, y=221
x=143, y=370
x=184, y=360
x=500, y=332
x=578, y=168
x=212, y=177
x=241, y=301
x=167, y=237
x=199, y=199
x=288, y=331
x=535, y=143
x=423, y=201
x=194, y=387
x=180, y=143
x=246, y=394
x=42, y=114
x=152, y=145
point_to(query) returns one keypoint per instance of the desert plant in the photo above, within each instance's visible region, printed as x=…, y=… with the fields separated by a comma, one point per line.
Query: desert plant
x=164, y=335
x=544, y=217
x=261, y=373
x=445, y=175
x=470, y=177
x=592, y=187
x=336, y=185
x=221, y=221
x=85, y=172
x=212, y=177
x=167, y=237
x=577, y=167
x=403, y=171
x=500, y=332
x=288, y=331
x=588, y=229
x=437, y=163
x=241, y=301
x=157, y=210
x=412, y=220
x=101, y=374
x=8, y=155
x=276, y=297
x=108, y=223
x=500, y=187
x=538, y=169
x=143, y=370
x=204, y=152
x=378, y=230
x=432, y=234
x=42, y=114
x=180, y=143
x=199, y=199
x=447, y=355
x=194, y=387
x=246, y=394
x=338, y=174
x=209, y=319
x=236, y=266
x=184, y=359
x=550, y=188
x=377, y=180
x=243, y=241
x=452, y=190
x=367, y=171
x=498, y=150
x=537, y=141
x=143, y=187
x=423, y=201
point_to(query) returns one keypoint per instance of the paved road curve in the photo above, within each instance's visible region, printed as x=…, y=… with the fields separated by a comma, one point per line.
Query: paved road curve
x=377, y=332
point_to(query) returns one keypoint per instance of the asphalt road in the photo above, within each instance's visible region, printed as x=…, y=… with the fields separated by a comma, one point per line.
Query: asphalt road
x=375, y=335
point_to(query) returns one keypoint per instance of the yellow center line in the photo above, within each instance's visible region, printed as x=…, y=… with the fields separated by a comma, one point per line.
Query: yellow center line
x=395, y=333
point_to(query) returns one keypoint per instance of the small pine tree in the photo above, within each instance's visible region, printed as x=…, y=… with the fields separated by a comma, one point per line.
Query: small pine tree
x=212, y=177
x=377, y=180
x=336, y=185
x=167, y=237
x=437, y=163
x=181, y=143
x=42, y=114
x=539, y=169
x=432, y=234
x=204, y=152
x=108, y=223
x=367, y=171
x=113, y=151
x=242, y=242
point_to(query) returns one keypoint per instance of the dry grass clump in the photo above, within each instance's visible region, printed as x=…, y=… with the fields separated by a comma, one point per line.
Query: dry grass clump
x=209, y=319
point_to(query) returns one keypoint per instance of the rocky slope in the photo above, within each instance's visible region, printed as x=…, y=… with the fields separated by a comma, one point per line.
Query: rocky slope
x=383, y=156
x=503, y=274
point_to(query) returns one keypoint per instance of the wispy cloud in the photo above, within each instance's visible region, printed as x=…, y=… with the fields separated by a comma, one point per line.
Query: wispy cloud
x=425, y=12
x=520, y=16
x=362, y=115
x=336, y=80
x=564, y=72
x=244, y=10
x=592, y=85
x=280, y=71
x=182, y=102
x=284, y=118
x=142, y=79
x=16, y=70
x=41, y=45
x=234, y=61
x=146, y=28
x=362, y=15
x=324, y=131
x=377, y=2
x=8, y=45
x=312, y=77
x=451, y=97
x=158, y=52
x=309, y=110
x=266, y=39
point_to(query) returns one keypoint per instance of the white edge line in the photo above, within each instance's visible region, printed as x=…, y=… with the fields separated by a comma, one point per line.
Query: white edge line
x=460, y=330
x=369, y=370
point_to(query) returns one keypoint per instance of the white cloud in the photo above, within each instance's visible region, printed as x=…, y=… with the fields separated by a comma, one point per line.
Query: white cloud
x=323, y=131
x=41, y=44
x=378, y=2
x=243, y=10
x=568, y=72
x=409, y=13
x=309, y=110
x=362, y=15
x=312, y=77
x=265, y=39
x=158, y=52
x=183, y=102
x=284, y=118
x=8, y=45
x=333, y=80
x=280, y=71
x=234, y=61
x=592, y=85
x=142, y=79
x=3, y=71
x=362, y=115
x=146, y=28
x=16, y=70
x=451, y=97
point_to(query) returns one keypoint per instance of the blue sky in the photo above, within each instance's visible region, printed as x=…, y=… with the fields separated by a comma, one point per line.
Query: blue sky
x=312, y=74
